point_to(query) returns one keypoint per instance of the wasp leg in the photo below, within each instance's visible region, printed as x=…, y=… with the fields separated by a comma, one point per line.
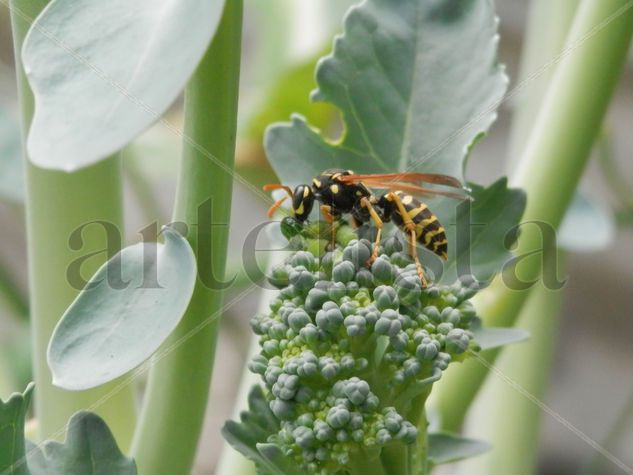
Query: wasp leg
x=414, y=254
x=326, y=211
x=409, y=225
x=277, y=203
x=379, y=224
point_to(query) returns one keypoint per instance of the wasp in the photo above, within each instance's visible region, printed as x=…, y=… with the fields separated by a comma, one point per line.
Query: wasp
x=342, y=192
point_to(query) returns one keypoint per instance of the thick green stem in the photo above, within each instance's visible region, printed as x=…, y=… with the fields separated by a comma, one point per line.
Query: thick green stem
x=176, y=399
x=505, y=417
x=550, y=168
x=419, y=454
x=58, y=204
x=547, y=28
x=411, y=459
x=367, y=463
x=529, y=364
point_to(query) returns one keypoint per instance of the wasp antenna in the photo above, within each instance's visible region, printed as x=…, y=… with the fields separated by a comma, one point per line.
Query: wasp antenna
x=275, y=206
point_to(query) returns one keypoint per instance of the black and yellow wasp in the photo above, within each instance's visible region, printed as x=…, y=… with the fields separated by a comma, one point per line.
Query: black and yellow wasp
x=343, y=192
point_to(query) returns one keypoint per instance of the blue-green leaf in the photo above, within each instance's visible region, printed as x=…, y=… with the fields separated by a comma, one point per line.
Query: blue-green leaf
x=89, y=449
x=12, y=448
x=480, y=233
x=128, y=309
x=490, y=338
x=418, y=387
x=445, y=447
x=574, y=235
x=281, y=464
x=11, y=162
x=249, y=435
x=417, y=83
x=102, y=72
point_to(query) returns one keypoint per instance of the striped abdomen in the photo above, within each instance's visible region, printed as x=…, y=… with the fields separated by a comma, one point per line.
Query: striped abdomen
x=428, y=230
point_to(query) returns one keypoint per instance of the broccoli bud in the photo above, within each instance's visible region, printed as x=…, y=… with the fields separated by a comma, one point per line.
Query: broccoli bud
x=329, y=318
x=343, y=272
x=301, y=279
x=355, y=326
x=338, y=417
x=388, y=324
x=382, y=270
x=385, y=297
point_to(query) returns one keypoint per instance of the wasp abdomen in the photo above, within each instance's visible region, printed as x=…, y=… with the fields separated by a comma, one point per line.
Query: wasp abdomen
x=428, y=230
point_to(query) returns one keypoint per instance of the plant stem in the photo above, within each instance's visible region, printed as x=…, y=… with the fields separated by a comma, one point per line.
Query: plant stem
x=550, y=168
x=547, y=28
x=167, y=436
x=418, y=454
x=506, y=418
x=529, y=364
x=366, y=462
x=411, y=460
x=57, y=204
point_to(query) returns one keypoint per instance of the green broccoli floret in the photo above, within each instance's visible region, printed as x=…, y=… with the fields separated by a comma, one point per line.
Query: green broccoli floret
x=345, y=344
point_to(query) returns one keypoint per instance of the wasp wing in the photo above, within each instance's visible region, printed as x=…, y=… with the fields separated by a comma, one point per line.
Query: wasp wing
x=407, y=177
x=373, y=181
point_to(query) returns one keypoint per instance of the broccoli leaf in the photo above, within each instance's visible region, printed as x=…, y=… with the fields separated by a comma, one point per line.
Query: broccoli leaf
x=282, y=465
x=572, y=235
x=490, y=338
x=249, y=435
x=479, y=233
x=417, y=83
x=90, y=449
x=12, y=448
x=445, y=447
